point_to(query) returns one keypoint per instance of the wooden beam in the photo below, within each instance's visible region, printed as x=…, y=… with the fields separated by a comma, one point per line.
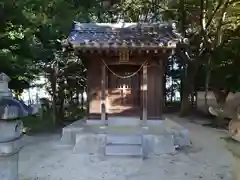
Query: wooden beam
x=144, y=92
x=103, y=95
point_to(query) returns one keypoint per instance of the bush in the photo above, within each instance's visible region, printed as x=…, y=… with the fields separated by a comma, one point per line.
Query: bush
x=36, y=124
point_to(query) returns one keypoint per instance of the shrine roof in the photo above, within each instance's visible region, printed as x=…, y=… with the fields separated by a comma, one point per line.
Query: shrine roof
x=132, y=35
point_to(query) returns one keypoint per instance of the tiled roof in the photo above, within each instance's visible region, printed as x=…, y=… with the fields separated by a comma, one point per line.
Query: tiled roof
x=133, y=35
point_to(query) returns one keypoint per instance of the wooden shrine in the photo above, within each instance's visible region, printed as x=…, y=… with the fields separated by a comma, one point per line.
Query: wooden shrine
x=125, y=67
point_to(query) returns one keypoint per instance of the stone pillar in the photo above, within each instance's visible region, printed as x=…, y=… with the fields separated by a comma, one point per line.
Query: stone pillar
x=10, y=145
x=234, y=147
x=103, y=94
x=144, y=93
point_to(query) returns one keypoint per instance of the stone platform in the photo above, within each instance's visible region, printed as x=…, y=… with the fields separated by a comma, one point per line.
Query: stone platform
x=125, y=136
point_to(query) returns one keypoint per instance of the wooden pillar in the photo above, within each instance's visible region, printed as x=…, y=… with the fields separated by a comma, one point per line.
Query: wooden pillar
x=106, y=94
x=144, y=93
x=103, y=95
x=162, y=87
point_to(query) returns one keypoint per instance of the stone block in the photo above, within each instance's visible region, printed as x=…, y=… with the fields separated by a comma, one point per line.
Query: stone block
x=181, y=138
x=163, y=144
x=124, y=139
x=147, y=145
x=124, y=150
x=155, y=122
x=69, y=132
x=96, y=122
x=69, y=135
x=89, y=143
x=180, y=133
x=158, y=144
x=124, y=121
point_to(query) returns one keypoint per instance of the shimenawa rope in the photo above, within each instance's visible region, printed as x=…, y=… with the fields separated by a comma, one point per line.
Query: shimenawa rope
x=124, y=77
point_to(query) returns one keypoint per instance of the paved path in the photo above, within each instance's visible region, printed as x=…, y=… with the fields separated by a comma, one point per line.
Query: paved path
x=44, y=159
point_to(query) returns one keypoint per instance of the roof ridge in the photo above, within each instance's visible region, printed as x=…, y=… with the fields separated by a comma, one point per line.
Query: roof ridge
x=78, y=25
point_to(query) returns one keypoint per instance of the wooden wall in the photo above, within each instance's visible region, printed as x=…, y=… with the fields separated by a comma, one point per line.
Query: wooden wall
x=155, y=72
x=94, y=88
x=154, y=93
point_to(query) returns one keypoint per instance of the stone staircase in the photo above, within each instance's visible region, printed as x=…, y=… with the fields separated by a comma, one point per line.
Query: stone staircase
x=124, y=145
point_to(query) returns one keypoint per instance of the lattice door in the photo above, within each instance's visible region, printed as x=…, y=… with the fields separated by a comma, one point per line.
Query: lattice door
x=124, y=93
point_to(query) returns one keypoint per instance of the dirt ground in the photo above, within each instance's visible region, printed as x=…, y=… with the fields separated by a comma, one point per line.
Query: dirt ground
x=44, y=158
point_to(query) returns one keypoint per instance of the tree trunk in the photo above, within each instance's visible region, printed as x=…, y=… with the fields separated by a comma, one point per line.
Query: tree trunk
x=71, y=96
x=53, y=81
x=182, y=17
x=221, y=96
x=54, y=109
x=61, y=102
x=193, y=98
x=77, y=96
x=185, y=104
x=188, y=88
x=82, y=101
x=207, y=81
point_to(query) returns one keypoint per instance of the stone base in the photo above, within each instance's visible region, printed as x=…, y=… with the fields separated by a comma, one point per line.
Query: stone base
x=156, y=137
x=10, y=145
x=9, y=167
x=150, y=145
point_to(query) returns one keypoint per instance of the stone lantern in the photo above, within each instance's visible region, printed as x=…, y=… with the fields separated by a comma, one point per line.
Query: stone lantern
x=10, y=136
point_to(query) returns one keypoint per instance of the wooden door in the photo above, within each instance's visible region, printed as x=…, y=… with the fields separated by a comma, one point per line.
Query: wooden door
x=123, y=93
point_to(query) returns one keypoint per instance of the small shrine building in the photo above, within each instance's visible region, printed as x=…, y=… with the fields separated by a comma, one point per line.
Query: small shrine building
x=125, y=67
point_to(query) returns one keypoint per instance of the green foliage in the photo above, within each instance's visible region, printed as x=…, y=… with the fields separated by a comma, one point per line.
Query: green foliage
x=16, y=41
x=225, y=68
x=35, y=124
x=74, y=112
x=30, y=31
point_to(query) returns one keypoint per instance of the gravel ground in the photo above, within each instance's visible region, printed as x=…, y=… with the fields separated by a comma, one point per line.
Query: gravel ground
x=44, y=159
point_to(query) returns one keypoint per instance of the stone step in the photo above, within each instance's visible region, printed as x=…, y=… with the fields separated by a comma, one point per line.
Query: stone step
x=124, y=121
x=124, y=139
x=123, y=150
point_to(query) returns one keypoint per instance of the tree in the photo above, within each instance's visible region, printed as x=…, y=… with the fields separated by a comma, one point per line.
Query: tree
x=16, y=42
x=52, y=27
x=29, y=36
x=31, y=30
x=205, y=34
